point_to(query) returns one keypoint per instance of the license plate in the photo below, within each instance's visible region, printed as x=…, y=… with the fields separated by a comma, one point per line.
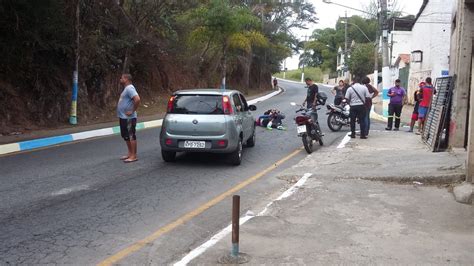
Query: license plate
x=195, y=144
x=301, y=129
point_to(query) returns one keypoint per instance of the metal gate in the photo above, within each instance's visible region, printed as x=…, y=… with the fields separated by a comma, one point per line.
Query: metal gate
x=436, y=131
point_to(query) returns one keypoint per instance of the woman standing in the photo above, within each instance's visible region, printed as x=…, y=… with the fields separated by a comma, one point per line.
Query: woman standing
x=338, y=92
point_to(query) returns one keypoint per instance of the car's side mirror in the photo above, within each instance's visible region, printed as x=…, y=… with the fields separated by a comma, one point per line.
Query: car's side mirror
x=253, y=108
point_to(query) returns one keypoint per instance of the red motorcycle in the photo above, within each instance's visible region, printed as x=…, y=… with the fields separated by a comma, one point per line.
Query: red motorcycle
x=307, y=129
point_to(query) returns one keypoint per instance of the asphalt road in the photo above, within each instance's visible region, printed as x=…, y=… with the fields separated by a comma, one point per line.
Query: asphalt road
x=79, y=204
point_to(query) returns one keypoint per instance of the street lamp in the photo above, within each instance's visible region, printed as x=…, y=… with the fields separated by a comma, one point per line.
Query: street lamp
x=365, y=35
x=376, y=38
x=337, y=4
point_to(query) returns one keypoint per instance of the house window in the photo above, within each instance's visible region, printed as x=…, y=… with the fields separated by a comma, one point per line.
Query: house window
x=417, y=56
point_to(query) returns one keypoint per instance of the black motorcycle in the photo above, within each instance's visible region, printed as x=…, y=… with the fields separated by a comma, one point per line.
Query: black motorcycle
x=338, y=115
x=307, y=129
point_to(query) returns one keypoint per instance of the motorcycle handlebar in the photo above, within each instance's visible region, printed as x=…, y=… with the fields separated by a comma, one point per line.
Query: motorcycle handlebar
x=307, y=109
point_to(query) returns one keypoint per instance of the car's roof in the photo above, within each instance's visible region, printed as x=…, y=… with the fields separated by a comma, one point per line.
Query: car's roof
x=206, y=91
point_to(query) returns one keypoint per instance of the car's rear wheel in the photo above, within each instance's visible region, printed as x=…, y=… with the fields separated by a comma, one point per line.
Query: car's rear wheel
x=236, y=156
x=252, y=139
x=168, y=156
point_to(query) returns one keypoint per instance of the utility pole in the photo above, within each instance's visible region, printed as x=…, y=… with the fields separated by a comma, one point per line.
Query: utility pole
x=304, y=55
x=345, y=47
x=376, y=49
x=385, y=62
x=75, y=78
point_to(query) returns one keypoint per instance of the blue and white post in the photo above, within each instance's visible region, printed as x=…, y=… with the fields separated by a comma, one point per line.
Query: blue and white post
x=385, y=87
x=73, y=115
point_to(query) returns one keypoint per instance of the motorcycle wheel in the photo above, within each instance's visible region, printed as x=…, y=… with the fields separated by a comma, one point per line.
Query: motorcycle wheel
x=307, y=143
x=332, y=122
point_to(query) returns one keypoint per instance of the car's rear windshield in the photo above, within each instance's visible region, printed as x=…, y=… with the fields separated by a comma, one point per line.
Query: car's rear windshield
x=198, y=104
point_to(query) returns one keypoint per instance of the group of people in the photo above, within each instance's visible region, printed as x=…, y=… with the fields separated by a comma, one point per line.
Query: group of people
x=359, y=95
x=422, y=97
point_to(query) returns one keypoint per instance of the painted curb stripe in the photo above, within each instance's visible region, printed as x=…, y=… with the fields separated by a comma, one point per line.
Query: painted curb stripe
x=266, y=97
x=116, y=130
x=154, y=123
x=92, y=134
x=9, y=148
x=38, y=143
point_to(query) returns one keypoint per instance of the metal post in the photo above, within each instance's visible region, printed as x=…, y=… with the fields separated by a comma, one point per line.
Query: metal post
x=385, y=64
x=235, y=225
x=75, y=79
x=235, y=256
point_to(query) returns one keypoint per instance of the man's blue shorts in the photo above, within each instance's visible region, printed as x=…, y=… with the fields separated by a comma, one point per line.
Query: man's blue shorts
x=422, y=111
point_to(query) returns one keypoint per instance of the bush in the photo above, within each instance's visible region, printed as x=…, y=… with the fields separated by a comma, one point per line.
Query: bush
x=314, y=73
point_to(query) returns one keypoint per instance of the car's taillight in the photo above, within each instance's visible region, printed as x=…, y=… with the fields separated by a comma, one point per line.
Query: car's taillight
x=226, y=105
x=169, y=142
x=171, y=104
x=222, y=143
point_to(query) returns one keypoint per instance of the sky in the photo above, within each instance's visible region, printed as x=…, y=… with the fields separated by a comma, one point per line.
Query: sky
x=328, y=14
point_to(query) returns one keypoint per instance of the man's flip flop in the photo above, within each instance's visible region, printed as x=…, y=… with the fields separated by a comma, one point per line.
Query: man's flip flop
x=124, y=158
x=129, y=161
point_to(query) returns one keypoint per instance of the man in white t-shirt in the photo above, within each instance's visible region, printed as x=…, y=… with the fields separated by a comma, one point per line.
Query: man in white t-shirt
x=357, y=94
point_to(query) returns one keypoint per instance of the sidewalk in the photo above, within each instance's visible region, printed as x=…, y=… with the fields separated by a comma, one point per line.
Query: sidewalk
x=341, y=216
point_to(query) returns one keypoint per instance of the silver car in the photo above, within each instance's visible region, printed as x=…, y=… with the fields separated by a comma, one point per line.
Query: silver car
x=207, y=120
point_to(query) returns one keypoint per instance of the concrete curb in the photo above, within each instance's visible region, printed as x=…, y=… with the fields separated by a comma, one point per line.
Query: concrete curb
x=425, y=180
x=290, y=81
x=377, y=116
x=51, y=141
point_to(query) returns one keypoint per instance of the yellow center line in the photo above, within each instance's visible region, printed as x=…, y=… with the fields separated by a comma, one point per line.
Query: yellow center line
x=183, y=219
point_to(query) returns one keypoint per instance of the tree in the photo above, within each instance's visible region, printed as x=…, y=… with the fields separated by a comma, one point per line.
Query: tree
x=327, y=41
x=362, y=59
x=227, y=26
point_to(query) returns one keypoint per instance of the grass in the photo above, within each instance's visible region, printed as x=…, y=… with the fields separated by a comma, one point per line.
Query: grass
x=314, y=73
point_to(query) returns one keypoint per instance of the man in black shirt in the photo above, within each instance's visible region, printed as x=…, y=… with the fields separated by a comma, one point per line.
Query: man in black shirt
x=311, y=97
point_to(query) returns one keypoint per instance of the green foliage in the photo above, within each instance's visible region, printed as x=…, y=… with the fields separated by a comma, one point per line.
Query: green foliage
x=362, y=59
x=314, y=73
x=326, y=42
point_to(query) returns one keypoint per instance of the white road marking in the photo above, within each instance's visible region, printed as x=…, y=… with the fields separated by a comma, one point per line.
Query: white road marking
x=344, y=141
x=224, y=232
x=69, y=190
